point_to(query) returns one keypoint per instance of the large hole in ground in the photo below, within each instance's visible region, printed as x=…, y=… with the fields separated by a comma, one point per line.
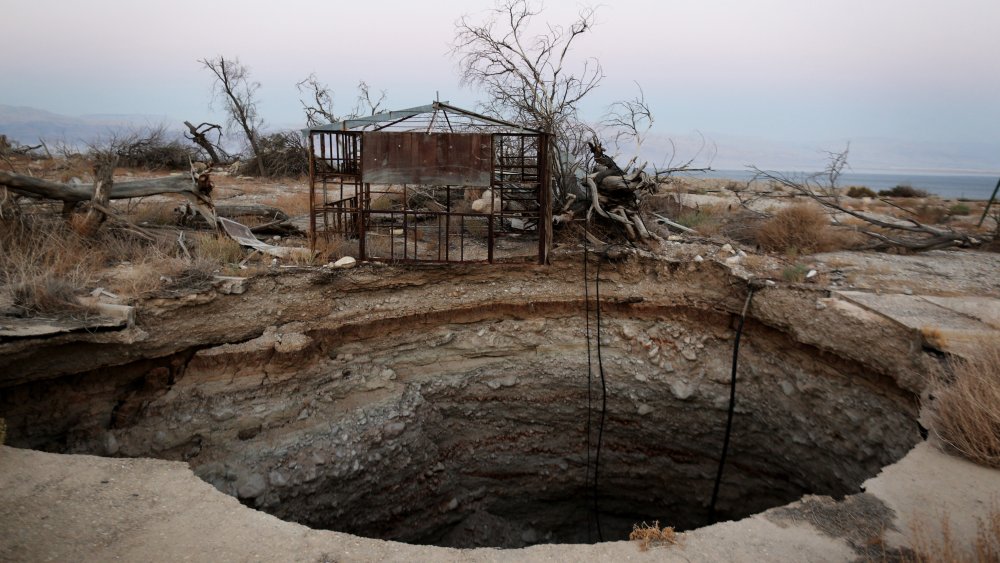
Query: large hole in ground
x=471, y=432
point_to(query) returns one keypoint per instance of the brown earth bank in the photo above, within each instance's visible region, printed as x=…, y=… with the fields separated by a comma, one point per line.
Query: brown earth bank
x=450, y=405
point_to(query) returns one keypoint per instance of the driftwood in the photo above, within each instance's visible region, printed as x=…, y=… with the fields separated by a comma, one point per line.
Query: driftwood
x=613, y=194
x=196, y=188
x=72, y=192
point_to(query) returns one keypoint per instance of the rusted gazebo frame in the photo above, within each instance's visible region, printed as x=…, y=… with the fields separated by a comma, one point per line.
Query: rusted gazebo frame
x=357, y=165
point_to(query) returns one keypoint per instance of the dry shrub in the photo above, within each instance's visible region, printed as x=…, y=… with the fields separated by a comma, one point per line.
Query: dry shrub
x=802, y=228
x=932, y=214
x=965, y=415
x=336, y=247
x=219, y=250
x=293, y=203
x=44, y=264
x=903, y=190
x=152, y=213
x=151, y=148
x=933, y=337
x=860, y=191
x=652, y=536
x=929, y=546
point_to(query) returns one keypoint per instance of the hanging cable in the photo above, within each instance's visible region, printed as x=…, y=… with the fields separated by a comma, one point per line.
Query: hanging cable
x=590, y=371
x=604, y=396
x=732, y=406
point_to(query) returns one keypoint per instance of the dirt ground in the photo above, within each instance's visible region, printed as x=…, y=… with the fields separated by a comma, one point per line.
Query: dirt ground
x=879, y=321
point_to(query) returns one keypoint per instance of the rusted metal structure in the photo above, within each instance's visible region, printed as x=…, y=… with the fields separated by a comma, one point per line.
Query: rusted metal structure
x=433, y=183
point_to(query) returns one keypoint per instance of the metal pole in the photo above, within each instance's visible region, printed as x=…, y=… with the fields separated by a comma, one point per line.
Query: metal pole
x=989, y=203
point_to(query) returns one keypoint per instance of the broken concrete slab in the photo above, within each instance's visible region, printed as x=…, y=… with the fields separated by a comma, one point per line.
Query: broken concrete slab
x=942, y=327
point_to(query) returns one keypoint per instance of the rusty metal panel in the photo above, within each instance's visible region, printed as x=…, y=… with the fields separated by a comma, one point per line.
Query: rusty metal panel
x=446, y=159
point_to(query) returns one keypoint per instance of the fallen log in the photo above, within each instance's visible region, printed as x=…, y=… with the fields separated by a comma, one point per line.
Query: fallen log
x=196, y=188
x=36, y=187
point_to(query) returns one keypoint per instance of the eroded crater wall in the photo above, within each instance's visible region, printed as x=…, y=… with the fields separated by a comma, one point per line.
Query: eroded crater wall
x=469, y=429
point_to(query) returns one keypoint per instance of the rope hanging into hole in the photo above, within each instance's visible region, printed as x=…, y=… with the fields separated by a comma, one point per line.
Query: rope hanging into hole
x=586, y=302
x=732, y=406
x=604, y=390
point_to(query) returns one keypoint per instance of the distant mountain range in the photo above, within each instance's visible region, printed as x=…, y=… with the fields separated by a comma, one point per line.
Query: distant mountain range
x=718, y=150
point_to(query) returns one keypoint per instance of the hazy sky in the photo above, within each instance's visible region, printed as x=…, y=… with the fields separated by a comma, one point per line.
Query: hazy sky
x=806, y=71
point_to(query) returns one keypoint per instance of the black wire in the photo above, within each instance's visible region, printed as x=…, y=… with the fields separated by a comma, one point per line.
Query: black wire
x=604, y=397
x=586, y=301
x=732, y=406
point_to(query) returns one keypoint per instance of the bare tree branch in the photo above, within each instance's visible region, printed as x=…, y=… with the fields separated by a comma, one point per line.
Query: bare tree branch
x=528, y=78
x=906, y=233
x=238, y=94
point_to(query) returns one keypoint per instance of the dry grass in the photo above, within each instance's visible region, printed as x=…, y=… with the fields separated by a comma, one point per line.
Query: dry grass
x=652, y=535
x=795, y=273
x=930, y=546
x=933, y=337
x=802, y=229
x=965, y=413
x=336, y=247
x=152, y=213
x=44, y=264
x=293, y=203
x=218, y=249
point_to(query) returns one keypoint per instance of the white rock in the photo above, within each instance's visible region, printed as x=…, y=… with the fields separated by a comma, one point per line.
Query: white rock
x=811, y=274
x=675, y=238
x=727, y=248
x=645, y=409
x=683, y=389
x=345, y=262
x=251, y=486
x=698, y=258
x=508, y=381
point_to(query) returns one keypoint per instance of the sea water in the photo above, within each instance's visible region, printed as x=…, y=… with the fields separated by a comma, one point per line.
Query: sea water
x=948, y=187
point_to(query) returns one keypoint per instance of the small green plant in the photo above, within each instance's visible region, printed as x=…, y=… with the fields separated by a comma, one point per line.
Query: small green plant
x=959, y=209
x=860, y=191
x=795, y=274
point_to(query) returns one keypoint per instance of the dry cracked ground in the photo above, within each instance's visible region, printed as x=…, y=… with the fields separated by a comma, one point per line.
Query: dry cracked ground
x=388, y=412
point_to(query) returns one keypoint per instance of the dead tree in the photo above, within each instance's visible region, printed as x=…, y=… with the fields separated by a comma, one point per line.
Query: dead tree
x=238, y=93
x=530, y=80
x=319, y=108
x=199, y=136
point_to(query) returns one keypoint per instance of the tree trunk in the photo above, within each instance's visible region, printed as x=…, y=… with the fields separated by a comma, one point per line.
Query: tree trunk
x=103, y=182
x=202, y=141
x=71, y=193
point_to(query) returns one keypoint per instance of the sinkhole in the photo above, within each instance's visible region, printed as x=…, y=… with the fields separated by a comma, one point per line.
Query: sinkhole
x=468, y=432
